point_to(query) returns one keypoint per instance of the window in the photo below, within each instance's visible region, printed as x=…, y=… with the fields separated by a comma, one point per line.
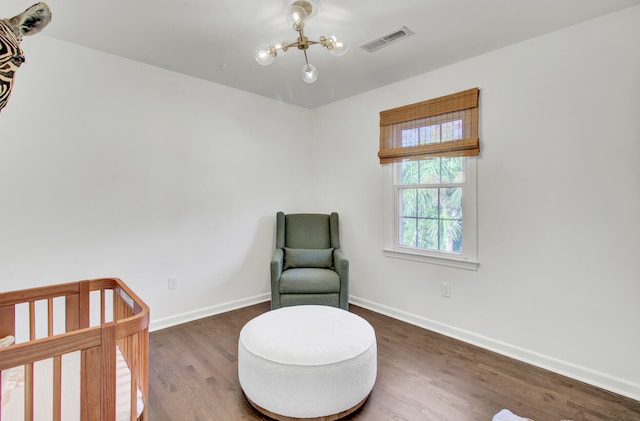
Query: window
x=431, y=182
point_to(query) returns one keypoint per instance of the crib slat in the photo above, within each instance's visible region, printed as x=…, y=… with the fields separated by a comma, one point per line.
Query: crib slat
x=133, y=368
x=90, y=384
x=144, y=373
x=57, y=388
x=50, y=318
x=108, y=403
x=28, y=392
x=32, y=320
x=7, y=327
x=102, y=307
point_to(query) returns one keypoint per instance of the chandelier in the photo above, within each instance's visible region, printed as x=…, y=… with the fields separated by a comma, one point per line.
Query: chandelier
x=297, y=13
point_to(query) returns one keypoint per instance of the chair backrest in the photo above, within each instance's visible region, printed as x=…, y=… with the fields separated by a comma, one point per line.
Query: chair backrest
x=307, y=231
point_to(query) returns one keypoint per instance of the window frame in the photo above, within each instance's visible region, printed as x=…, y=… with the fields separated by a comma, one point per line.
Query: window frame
x=468, y=258
x=461, y=105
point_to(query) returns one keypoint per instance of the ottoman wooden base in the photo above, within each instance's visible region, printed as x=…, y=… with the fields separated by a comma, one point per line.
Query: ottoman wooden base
x=325, y=418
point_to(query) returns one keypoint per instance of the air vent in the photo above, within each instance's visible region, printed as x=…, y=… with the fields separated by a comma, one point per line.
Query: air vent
x=383, y=41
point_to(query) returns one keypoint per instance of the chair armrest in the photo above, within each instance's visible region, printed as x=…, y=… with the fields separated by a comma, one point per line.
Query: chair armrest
x=340, y=262
x=341, y=266
x=277, y=263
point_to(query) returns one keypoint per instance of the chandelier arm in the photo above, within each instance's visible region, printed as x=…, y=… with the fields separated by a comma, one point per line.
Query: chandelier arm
x=305, y=57
x=286, y=47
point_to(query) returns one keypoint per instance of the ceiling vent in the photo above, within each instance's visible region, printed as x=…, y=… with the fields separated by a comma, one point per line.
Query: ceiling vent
x=383, y=41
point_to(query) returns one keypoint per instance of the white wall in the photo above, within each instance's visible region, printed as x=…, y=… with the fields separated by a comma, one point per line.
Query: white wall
x=559, y=199
x=113, y=168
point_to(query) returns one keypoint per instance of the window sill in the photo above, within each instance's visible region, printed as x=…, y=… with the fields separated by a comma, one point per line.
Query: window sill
x=455, y=262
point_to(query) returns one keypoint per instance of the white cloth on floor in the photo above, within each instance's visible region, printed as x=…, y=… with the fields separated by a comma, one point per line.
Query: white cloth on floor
x=506, y=415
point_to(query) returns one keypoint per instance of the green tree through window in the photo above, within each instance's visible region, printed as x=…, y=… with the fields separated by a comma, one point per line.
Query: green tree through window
x=430, y=204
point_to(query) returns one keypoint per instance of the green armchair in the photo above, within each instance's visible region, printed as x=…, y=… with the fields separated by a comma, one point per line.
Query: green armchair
x=308, y=265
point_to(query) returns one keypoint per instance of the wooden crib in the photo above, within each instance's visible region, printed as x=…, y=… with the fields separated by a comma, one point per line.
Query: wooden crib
x=99, y=322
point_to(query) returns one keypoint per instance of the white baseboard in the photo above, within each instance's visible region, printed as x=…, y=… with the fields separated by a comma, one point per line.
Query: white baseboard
x=189, y=316
x=565, y=368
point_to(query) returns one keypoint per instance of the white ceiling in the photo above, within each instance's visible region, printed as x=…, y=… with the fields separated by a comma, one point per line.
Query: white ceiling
x=215, y=39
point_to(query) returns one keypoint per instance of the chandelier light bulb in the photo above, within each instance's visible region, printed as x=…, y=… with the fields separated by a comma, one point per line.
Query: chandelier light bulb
x=309, y=73
x=265, y=54
x=336, y=46
x=296, y=17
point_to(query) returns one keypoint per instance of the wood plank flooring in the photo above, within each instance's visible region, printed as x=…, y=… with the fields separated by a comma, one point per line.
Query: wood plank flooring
x=421, y=376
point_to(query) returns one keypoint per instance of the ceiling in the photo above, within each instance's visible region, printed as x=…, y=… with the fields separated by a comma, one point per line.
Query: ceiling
x=216, y=39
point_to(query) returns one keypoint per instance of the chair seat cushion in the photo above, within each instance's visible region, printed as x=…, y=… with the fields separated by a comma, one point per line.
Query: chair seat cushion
x=309, y=280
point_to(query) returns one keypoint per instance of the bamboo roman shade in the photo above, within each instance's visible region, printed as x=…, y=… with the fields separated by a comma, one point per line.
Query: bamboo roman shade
x=445, y=126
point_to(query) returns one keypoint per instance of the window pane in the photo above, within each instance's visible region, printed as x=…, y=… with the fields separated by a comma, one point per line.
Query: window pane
x=410, y=172
x=409, y=205
x=451, y=203
x=407, y=232
x=427, y=203
x=429, y=171
x=452, y=130
x=428, y=234
x=452, y=170
x=430, y=134
x=451, y=235
x=433, y=171
x=410, y=137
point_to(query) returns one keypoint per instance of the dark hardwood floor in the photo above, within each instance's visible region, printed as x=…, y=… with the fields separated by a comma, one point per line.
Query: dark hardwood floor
x=421, y=376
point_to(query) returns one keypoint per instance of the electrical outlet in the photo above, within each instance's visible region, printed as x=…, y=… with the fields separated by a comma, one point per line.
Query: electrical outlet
x=445, y=289
x=172, y=282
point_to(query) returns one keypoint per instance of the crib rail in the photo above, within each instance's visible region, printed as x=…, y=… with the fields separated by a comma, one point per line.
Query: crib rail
x=122, y=319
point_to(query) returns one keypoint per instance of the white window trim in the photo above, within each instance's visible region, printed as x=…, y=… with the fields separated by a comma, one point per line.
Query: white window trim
x=468, y=259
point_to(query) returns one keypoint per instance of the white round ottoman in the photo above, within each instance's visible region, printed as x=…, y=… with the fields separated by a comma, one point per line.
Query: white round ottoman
x=307, y=362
